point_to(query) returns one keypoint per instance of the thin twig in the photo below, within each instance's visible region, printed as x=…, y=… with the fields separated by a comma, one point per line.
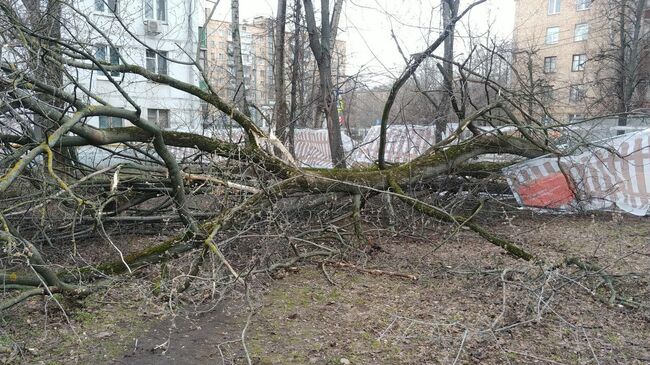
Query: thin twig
x=460, y=349
x=248, y=321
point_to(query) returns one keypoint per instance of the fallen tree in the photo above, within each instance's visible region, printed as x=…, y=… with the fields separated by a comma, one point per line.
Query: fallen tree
x=255, y=184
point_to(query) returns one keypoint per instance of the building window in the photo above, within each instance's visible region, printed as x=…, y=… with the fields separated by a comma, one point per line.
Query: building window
x=108, y=55
x=581, y=32
x=110, y=122
x=576, y=93
x=552, y=35
x=155, y=9
x=157, y=62
x=550, y=64
x=159, y=116
x=106, y=6
x=583, y=4
x=553, y=7
x=203, y=38
x=578, y=63
x=203, y=59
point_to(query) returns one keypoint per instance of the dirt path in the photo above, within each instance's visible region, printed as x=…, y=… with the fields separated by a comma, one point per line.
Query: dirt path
x=194, y=338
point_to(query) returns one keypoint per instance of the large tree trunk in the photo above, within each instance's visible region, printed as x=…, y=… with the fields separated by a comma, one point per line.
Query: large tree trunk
x=240, y=97
x=322, y=50
x=628, y=65
x=280, y=107
x=449, y=11
x=297, y=83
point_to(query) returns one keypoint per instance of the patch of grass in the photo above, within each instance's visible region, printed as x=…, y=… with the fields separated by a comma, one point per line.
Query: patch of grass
x=5, y=341
x=614, y=339
x=85, y=318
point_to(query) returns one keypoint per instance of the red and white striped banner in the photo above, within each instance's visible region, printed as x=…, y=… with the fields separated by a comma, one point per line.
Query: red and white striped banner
x=613, y=175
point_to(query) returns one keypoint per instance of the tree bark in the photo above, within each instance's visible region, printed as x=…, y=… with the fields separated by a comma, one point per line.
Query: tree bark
x=280, y=107
x=449, y=12
x=296, y=71
x=322, y=50
x=240, y=97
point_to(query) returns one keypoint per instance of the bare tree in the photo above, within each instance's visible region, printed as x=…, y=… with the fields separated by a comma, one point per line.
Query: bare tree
x=296, y=97
x=240, y=186
x=449, y=9
x=241, y=99
x=280, y=107
x=322, y=49
x=45, y=18
x=408, y=72
x=622, y=60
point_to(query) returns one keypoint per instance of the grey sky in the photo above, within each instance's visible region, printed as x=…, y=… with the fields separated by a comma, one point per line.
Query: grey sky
x=366, y=28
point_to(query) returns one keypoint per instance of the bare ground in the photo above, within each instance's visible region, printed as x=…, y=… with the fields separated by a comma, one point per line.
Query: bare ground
x=471, y=304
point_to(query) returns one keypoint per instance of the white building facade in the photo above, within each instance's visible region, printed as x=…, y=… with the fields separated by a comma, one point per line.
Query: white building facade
x=164, y=36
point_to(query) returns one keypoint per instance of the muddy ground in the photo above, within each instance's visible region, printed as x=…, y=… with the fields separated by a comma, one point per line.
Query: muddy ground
x=470, y=304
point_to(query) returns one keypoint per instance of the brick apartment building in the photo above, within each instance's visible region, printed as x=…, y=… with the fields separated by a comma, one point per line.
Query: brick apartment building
x=257, y=40
x=564, y=55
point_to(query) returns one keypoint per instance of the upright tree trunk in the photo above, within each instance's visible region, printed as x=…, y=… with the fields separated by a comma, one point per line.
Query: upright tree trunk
x=449, y=11
x=622, y=74
x=280, y=107
x=322, y=50
x=240, y=97
x=295, y=74
x=629, y=55
x=530, y=68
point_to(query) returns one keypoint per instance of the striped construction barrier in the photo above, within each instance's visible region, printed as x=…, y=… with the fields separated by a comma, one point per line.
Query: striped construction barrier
x=403, y=143
x=312, y=147
x=612, y=175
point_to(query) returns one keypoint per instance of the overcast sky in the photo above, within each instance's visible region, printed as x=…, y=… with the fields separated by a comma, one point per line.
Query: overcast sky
x=366, y=27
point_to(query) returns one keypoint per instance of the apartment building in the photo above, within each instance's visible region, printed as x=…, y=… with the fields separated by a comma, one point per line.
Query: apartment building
x=553, y=40
x=160, y=35
x=257, y=59
x=257, y=48
x=563, y=56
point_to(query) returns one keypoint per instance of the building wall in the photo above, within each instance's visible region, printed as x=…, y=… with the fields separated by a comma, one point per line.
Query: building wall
x=532, y=25
x=257, y=56
x=178, y=36
x=257, y=59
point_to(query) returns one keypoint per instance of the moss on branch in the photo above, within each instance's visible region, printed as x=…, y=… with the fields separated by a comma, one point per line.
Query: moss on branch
x=508, y=246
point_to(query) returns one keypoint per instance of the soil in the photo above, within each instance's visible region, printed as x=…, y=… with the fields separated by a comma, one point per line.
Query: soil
x=470, y=304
